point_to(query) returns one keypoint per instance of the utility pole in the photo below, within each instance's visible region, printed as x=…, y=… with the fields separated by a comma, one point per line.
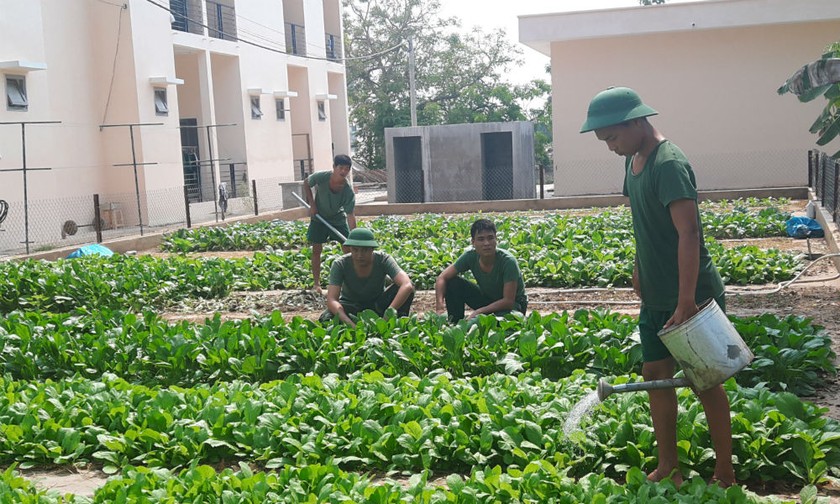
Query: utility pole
x=412, y=90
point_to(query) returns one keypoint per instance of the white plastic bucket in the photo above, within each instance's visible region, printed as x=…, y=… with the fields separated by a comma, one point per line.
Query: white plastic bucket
x=707, y=347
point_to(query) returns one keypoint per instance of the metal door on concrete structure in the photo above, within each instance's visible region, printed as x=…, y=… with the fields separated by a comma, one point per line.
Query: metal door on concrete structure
x=497, y=165
x=191, y=159
x=408, y=170
x=302, y=153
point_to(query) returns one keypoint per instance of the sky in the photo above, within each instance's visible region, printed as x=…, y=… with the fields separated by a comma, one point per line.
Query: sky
x=495, y=14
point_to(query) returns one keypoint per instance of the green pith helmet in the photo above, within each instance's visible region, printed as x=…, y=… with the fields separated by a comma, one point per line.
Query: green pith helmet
x=612, y=106
x=361, y=237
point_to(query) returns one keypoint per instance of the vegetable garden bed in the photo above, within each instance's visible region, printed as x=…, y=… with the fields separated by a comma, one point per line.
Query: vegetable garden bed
x=279, y=408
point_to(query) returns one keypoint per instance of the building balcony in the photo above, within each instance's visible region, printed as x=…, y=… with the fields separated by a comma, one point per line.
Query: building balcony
x=333, y=45
x=189, y=16
x=221, y=20
x=295, y=39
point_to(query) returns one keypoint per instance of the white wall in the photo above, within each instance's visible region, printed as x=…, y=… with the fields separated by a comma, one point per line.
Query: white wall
x=338, y=114
x=716, y=94
x=100, y=59
x=268, y=140
x=153, y=57
x=22, y=39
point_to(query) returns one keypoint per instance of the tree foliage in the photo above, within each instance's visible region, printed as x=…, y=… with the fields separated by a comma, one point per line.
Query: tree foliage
x=827, y=125
x=460, y=77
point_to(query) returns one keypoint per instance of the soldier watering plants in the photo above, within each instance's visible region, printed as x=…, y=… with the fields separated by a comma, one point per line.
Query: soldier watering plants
x=673, y=271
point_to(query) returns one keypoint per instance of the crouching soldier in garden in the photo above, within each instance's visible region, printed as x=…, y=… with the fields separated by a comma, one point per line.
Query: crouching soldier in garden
x=357, y=281
x=498, y=288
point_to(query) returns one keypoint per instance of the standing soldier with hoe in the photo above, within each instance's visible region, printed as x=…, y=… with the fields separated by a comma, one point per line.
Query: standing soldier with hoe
x=673, y=271
x=335, y=201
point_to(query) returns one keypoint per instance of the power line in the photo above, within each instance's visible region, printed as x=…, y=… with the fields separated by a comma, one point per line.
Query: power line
x=261, y=46
x=122, y=6
x=373, y=55
x=283, y=35
x=114, y=65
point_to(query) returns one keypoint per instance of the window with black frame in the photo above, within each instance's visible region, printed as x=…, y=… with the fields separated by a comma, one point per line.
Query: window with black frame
x=16, y=98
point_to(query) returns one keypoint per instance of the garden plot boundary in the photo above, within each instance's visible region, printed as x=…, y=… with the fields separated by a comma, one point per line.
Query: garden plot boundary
x=150, y=241
x=832, y=232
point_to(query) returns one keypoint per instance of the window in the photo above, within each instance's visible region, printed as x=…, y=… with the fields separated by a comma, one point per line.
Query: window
x=280, y=106
x=161, y=105
x=256, y=113
x=322, y=110
x=16, y=93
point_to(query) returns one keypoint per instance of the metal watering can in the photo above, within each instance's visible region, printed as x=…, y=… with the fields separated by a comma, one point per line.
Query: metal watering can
x=707, y=347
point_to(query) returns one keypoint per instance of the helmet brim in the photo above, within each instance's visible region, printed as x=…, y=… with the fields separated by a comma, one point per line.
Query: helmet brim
x=350, y=242
x=611, y=119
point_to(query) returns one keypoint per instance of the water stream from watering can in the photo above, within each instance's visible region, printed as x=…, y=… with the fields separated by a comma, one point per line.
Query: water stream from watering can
x=581, y=409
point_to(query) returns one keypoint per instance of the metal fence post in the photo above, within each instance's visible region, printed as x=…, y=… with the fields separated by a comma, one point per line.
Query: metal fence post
x=97, y=218
x=835, y=214
x=810, y=168
x=542, y=182
x=821, y=191
x=254, y=192
x=187, y=205
x=815, y=180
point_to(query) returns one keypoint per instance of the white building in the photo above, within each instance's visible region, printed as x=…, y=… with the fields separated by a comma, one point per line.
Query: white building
x=710, y=68
x=227, y=91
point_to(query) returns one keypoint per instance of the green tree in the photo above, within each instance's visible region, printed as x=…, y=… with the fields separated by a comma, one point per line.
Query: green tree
x=537, y=98
x=459, y=77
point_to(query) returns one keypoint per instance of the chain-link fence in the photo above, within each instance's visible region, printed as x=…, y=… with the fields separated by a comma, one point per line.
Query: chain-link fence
x=56, y=223
x=824, y=179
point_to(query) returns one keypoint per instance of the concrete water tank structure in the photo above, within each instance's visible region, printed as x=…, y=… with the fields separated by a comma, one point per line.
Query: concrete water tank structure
x=461, y=162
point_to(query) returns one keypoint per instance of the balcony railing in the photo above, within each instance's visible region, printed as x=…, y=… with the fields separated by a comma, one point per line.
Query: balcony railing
x=295, y=39
x=221, y=20
x=186, y=16
x=333, y=45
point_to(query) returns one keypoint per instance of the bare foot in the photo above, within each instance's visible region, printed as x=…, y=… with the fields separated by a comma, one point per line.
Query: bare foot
x=661, y=474
x=722, y=482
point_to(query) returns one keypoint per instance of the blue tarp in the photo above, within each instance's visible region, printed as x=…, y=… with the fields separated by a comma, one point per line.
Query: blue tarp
x=93, y=249
x=801, y=227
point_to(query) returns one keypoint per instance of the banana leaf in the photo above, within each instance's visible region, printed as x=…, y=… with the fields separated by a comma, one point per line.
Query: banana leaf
x=813, y=79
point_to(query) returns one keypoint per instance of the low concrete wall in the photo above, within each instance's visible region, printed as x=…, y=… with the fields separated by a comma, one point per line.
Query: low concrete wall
x=558, y=203
x=153, y=240
x=832, y=234
x=150, y=241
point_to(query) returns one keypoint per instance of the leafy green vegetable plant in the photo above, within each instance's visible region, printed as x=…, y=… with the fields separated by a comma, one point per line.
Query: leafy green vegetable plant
x=790, y=352
x=368, y=422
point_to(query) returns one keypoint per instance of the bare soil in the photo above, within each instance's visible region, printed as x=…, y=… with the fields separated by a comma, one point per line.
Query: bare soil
x=815, y=295
x=818, y=298
x=74, y=480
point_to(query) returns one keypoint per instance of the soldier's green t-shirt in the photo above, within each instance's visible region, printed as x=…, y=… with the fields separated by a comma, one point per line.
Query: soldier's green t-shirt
x=362, y=291
x=492, y=284
x=333, y=207
x=666, y=177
